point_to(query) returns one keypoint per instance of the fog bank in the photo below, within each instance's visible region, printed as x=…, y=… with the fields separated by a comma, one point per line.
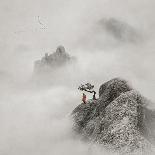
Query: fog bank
x=108, y=38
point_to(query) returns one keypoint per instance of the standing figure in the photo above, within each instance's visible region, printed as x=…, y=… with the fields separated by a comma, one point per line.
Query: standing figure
x=84, y=98
x=88, y=88
x=94, y=95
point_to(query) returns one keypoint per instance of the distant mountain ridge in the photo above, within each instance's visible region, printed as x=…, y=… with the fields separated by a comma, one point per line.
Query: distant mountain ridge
x=51, y=61
x=120, y=30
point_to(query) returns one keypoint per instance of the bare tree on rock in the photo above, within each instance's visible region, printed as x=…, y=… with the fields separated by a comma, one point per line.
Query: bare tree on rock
x=88, y=88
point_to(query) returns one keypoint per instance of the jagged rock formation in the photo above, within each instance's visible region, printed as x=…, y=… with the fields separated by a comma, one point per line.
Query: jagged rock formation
x=54, y=60
x=119, y=118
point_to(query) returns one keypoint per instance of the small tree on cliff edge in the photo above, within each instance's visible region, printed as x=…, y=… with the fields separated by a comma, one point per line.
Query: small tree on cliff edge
x=88, y=88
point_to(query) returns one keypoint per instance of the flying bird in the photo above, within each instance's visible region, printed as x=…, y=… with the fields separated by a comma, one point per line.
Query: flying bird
x=39, y=21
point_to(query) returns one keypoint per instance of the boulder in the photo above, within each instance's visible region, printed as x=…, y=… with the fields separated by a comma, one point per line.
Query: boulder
x=117, y=119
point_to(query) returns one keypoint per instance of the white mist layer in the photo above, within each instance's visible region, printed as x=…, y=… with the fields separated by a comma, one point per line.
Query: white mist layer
x=36, y=121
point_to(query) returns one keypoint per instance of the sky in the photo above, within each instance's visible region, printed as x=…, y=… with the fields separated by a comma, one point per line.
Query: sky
x=109, y=38
x=74, y=24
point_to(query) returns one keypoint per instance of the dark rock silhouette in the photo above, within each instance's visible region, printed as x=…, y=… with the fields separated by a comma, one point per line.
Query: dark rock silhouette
x=120, y=30
x=119, y=118
x=52, y=61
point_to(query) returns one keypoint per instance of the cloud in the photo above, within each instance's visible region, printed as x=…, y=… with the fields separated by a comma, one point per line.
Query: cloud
x=119, y=30
x=35, y=121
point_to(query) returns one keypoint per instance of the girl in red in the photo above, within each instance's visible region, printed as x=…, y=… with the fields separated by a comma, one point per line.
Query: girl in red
x=84, y=98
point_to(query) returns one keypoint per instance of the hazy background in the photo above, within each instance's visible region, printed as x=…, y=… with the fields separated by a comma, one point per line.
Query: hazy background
x=109, y=38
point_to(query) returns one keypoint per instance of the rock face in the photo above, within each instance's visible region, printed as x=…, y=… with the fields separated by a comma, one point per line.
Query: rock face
x=118, y=118
x=54, y=60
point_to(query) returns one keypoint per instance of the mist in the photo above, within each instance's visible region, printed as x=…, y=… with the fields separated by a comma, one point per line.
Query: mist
x=108, y=38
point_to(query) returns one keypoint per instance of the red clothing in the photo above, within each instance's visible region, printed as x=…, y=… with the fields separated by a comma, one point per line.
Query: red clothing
x=84, y=98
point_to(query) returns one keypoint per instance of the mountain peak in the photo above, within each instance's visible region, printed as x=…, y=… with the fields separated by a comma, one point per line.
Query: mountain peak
x=60, y=49
x=50, y=61
x=119, y=119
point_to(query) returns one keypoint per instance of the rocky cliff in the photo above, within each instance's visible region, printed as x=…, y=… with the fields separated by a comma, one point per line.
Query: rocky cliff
x=118, y=119
x=51, y=61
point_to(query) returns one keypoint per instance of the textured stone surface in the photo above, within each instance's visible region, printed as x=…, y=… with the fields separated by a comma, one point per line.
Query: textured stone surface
x=117, y=119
